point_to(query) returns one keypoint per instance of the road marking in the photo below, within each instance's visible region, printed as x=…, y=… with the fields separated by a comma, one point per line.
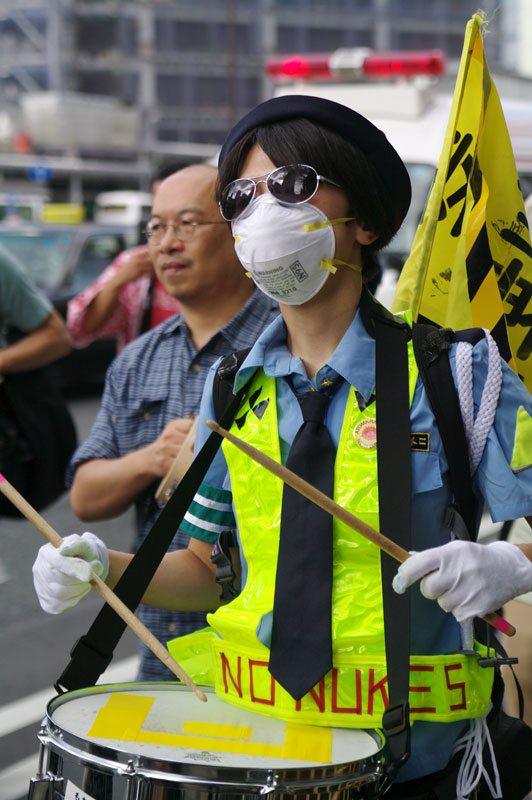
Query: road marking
x=32, y=709
x=15, y=780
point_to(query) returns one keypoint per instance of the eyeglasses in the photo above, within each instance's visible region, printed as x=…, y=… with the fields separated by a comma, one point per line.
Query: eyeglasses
x=293, y=184
x=183, y=230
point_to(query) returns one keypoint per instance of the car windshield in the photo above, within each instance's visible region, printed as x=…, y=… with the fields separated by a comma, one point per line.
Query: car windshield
x=43, y=254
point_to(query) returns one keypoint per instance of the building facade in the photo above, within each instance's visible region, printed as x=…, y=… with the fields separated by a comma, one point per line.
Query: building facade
x=187, y=68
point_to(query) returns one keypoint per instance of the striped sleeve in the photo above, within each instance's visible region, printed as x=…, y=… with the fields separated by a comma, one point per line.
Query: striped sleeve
x=210, y=513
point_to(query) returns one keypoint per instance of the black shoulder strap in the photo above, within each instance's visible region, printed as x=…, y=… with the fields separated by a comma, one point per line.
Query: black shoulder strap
x=93, y=652
x=431, y=348
x=395, y=521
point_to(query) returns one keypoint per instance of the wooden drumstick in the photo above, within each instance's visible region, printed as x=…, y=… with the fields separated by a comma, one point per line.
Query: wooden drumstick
x=103, y=590
x=181, y=463
x=329, y=505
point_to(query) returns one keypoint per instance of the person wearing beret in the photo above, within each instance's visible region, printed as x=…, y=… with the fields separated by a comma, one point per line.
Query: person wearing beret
x=312, y=190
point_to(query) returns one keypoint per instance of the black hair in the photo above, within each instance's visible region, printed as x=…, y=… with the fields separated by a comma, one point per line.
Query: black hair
x=305, y=142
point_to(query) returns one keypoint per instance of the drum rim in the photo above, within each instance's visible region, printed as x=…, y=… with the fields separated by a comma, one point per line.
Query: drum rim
x=88, y=753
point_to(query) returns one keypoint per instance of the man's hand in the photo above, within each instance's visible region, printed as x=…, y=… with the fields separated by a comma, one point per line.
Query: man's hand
x=467, y=578
x=137, y=265
x=99, y=311
x=164, y=449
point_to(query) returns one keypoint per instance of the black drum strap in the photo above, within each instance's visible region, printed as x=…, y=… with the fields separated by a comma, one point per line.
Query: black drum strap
x=93, y=652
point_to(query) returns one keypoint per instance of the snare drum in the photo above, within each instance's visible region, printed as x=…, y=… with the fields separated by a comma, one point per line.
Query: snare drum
x=157, y=741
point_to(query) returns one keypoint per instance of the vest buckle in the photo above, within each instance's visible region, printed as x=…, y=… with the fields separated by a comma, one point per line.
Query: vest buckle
x=221, y=558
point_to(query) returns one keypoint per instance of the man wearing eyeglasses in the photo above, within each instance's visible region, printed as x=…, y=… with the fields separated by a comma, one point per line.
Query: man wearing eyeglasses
x=153, y=388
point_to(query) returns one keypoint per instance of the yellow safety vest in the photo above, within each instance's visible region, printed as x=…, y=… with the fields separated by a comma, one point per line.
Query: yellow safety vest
x=443, y=688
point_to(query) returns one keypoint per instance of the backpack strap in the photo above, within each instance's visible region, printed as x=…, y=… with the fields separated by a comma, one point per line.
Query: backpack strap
x=431, y=349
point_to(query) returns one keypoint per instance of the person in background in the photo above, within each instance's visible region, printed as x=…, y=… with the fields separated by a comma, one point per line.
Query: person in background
x=25, y=308
x=154, y=386
x=126, y=300
x=519, y=612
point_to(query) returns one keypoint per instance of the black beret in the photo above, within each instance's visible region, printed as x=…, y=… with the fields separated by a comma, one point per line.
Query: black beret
x=350, y=124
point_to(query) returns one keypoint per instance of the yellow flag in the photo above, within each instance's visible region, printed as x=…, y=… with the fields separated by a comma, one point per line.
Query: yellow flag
x=471, y=260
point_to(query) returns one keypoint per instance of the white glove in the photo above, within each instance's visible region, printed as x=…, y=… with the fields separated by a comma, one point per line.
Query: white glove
x=62, y=575
x=467, y=578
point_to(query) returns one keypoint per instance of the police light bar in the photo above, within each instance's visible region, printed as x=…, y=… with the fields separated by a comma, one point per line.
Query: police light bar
x=312, y=66
x=405, y=65
x=357, y=63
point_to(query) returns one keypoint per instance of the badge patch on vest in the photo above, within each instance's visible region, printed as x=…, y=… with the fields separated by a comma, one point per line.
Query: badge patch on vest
x=258, y=408
x=365, y=433
x=420, y=442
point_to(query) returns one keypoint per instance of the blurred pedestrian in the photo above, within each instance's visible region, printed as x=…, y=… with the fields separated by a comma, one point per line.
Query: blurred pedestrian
x=37, y=434
x=519, y=611
x=126, y=300
x=153, y=388
x=24, y=308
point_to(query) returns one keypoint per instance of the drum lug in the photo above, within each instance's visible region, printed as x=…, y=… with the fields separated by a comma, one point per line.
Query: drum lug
x=44, y=788
x=131, y=770
x=272, y=780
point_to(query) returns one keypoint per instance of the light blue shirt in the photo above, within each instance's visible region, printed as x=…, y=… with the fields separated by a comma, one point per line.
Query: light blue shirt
x=507, y=494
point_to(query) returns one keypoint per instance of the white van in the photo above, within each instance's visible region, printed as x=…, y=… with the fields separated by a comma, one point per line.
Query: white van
x=122, y=207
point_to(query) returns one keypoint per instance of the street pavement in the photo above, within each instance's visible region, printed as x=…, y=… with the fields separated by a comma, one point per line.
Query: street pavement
x=35, y=646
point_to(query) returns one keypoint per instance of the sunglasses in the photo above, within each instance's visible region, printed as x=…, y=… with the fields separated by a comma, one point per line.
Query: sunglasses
x=293, y=184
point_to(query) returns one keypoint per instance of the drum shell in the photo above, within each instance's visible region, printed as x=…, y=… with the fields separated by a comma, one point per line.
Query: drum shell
x=104, y=773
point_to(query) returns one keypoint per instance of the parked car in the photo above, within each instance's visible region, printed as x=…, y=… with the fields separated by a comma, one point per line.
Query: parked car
x=62, y=260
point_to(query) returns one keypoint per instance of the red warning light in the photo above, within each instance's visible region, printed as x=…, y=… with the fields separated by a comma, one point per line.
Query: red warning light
x=356, y=64
x=404, y=64
x=313, y=66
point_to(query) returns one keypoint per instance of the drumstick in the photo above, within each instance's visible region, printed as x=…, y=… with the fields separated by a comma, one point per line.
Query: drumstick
x=180, y=464
x=327, y=504
x=103, y=590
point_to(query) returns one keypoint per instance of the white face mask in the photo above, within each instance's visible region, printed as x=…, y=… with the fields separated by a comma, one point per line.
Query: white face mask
x=287, y=249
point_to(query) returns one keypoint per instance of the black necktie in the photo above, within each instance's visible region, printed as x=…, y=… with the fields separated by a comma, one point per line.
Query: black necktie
x=301, y=646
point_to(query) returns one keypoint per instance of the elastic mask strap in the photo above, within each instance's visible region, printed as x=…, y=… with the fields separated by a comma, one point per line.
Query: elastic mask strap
x=315, y=226
x=331, y=265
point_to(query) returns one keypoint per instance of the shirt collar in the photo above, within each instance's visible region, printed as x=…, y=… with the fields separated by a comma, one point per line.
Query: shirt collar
x=353, y=359
x=256, y=311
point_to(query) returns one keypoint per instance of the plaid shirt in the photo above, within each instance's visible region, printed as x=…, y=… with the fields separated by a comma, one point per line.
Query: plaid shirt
x=155, y=379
